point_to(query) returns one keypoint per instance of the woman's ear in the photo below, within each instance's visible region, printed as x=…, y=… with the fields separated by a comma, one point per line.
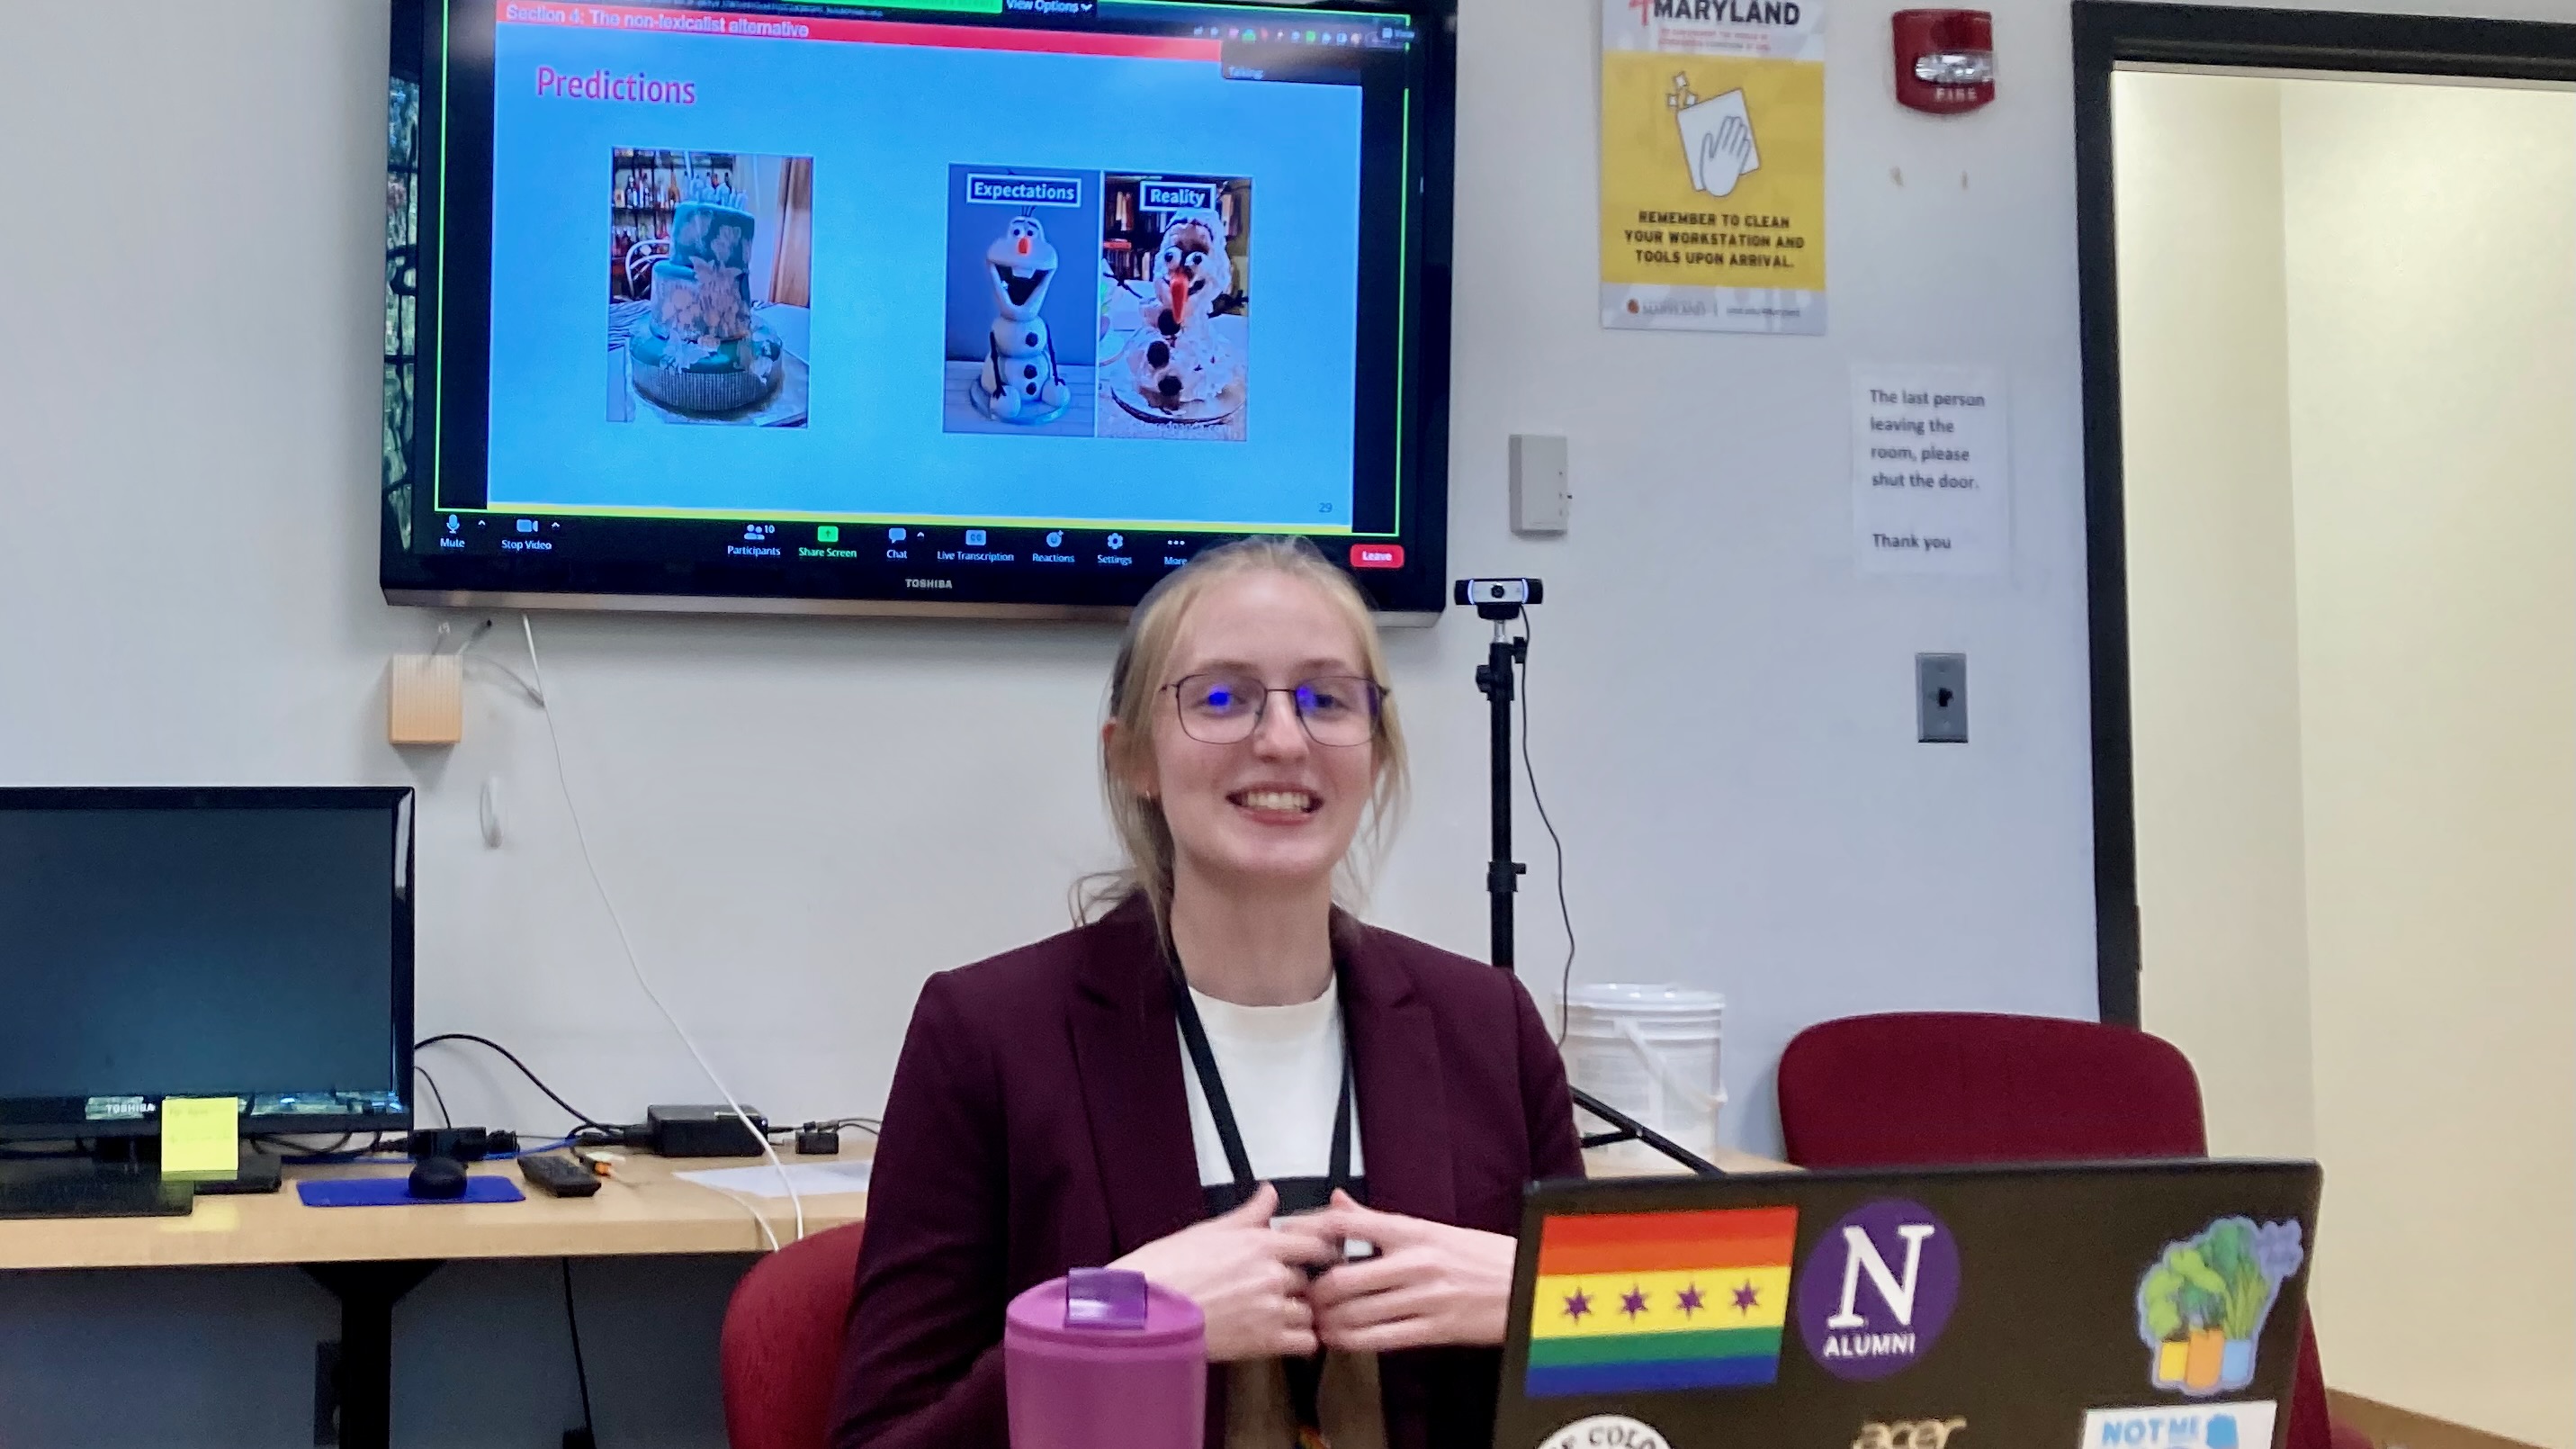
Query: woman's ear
x=1129, y=765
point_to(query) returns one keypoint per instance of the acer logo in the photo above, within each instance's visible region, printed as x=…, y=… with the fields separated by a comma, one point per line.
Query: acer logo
x=1909, y=1434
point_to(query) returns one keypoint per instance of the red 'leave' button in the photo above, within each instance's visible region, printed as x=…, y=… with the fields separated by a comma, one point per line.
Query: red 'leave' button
x=1377, y=555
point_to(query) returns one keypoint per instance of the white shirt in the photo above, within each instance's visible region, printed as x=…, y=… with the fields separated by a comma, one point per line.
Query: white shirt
x=1282, y=1069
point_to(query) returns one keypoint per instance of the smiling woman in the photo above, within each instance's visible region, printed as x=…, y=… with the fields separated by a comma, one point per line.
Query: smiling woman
x=1192, y=697
x=1331, y=1177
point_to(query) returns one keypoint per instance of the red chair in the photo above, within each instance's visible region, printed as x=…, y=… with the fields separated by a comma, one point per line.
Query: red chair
x=782, y=1342
x=1921, y=1088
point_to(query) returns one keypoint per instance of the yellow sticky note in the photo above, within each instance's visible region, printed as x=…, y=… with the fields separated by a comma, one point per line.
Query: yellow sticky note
x=201, y=1134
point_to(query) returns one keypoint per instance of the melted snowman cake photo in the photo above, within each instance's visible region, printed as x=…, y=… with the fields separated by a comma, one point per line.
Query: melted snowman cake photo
x=1175, y=329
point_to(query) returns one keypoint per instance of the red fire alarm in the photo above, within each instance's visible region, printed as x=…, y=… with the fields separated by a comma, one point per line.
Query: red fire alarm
x=1945, y=59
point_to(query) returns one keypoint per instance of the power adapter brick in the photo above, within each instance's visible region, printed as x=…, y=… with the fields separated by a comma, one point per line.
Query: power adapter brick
x=703, y=1132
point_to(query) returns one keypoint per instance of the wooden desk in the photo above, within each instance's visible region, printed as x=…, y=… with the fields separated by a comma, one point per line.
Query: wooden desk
x=643, y=1210
x=370, y=1257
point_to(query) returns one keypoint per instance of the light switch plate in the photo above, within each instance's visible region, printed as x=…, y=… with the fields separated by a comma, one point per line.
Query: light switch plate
x=1941, y=698
x=1540, y=501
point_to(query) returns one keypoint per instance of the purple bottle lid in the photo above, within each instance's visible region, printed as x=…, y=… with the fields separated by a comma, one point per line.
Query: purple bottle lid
x=1104, y=1298
x=1104, y=1308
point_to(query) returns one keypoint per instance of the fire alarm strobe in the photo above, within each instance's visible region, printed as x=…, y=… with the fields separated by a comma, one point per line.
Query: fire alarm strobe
x=1945, y=60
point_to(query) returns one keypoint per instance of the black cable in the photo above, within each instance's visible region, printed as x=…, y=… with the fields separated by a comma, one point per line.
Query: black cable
x=1565, y=981
x=444, y=1119
x=869, y=1125
x=333, y=1154
x=581, y=1370
x=579, y=1116
x=306, y=1149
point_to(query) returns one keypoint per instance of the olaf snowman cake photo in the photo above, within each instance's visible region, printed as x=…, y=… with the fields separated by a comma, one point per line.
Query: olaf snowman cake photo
x=1020, y=382
x=1022, y=253
x=1096, y=304
x=1180, y=366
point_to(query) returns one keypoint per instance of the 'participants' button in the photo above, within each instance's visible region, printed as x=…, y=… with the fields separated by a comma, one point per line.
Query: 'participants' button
x=1377, y=555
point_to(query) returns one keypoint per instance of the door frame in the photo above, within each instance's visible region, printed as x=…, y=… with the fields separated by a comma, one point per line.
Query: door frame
x=2109, y=34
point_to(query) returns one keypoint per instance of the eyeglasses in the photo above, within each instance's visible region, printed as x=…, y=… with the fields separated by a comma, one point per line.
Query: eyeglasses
x=1226, y=709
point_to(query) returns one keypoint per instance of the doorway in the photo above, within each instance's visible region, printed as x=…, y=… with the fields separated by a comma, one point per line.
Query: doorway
x=2330, y=336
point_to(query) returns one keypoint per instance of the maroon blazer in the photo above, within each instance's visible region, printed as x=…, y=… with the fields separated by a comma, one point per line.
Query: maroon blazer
x=1038, y=1123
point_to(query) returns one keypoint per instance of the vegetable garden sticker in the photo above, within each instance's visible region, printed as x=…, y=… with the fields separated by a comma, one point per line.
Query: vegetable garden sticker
x=2201, y=1307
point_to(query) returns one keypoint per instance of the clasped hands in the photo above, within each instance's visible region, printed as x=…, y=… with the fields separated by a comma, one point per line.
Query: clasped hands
x=1430, y=1283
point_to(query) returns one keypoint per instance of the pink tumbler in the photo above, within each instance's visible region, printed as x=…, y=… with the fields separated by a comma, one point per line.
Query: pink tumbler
x=1100, y=1359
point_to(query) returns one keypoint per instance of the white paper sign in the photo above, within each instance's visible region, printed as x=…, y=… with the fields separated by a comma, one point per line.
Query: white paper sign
x=812, y=1179
x=1931, y=471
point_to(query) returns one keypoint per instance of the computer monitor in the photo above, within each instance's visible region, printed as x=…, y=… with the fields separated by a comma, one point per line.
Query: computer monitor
x=991, y=307
x=251, y=943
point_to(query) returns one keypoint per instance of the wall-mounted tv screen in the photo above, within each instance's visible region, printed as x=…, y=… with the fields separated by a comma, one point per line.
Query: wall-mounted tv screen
x=977, y=305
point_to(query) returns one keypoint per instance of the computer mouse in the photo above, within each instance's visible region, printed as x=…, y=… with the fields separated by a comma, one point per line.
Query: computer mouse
x=438, y=1177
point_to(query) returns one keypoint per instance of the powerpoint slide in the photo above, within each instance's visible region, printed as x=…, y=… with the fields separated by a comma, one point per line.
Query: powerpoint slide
x=1023, y=253
x=873, y=299
x=1175, y=318
x=710, y=289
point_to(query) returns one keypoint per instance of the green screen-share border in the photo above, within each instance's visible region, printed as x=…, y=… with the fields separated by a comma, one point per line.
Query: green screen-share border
x=918, y=520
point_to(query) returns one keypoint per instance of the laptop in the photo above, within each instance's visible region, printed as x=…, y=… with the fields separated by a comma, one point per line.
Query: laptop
x=2132, y=1305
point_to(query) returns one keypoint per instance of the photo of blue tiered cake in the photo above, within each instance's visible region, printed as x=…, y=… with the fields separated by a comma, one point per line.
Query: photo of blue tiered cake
x=704, y=351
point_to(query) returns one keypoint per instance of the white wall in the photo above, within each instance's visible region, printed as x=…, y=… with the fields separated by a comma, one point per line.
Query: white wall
x=2431, y=233
x=802, y=819
x=2213, y=597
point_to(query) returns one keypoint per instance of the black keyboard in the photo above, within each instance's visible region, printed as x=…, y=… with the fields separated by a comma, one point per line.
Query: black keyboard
x=94, y=1195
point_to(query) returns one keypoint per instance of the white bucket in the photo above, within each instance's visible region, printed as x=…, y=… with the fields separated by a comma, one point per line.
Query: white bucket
x=1651, y=1052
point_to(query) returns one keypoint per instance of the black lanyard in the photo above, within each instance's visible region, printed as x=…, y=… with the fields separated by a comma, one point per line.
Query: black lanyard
x=1221, y=1109
x=1305, y=1376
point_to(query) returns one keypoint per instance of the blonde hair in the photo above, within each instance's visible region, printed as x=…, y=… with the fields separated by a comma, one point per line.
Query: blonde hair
x=1136, y=684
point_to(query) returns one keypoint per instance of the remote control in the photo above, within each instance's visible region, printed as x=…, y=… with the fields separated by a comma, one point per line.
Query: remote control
x=559, y=1175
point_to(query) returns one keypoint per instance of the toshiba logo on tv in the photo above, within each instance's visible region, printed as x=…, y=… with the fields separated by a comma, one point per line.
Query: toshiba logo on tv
x=599, y=85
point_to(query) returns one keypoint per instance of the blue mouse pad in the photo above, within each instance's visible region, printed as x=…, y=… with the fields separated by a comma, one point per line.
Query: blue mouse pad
x=396, y=1191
